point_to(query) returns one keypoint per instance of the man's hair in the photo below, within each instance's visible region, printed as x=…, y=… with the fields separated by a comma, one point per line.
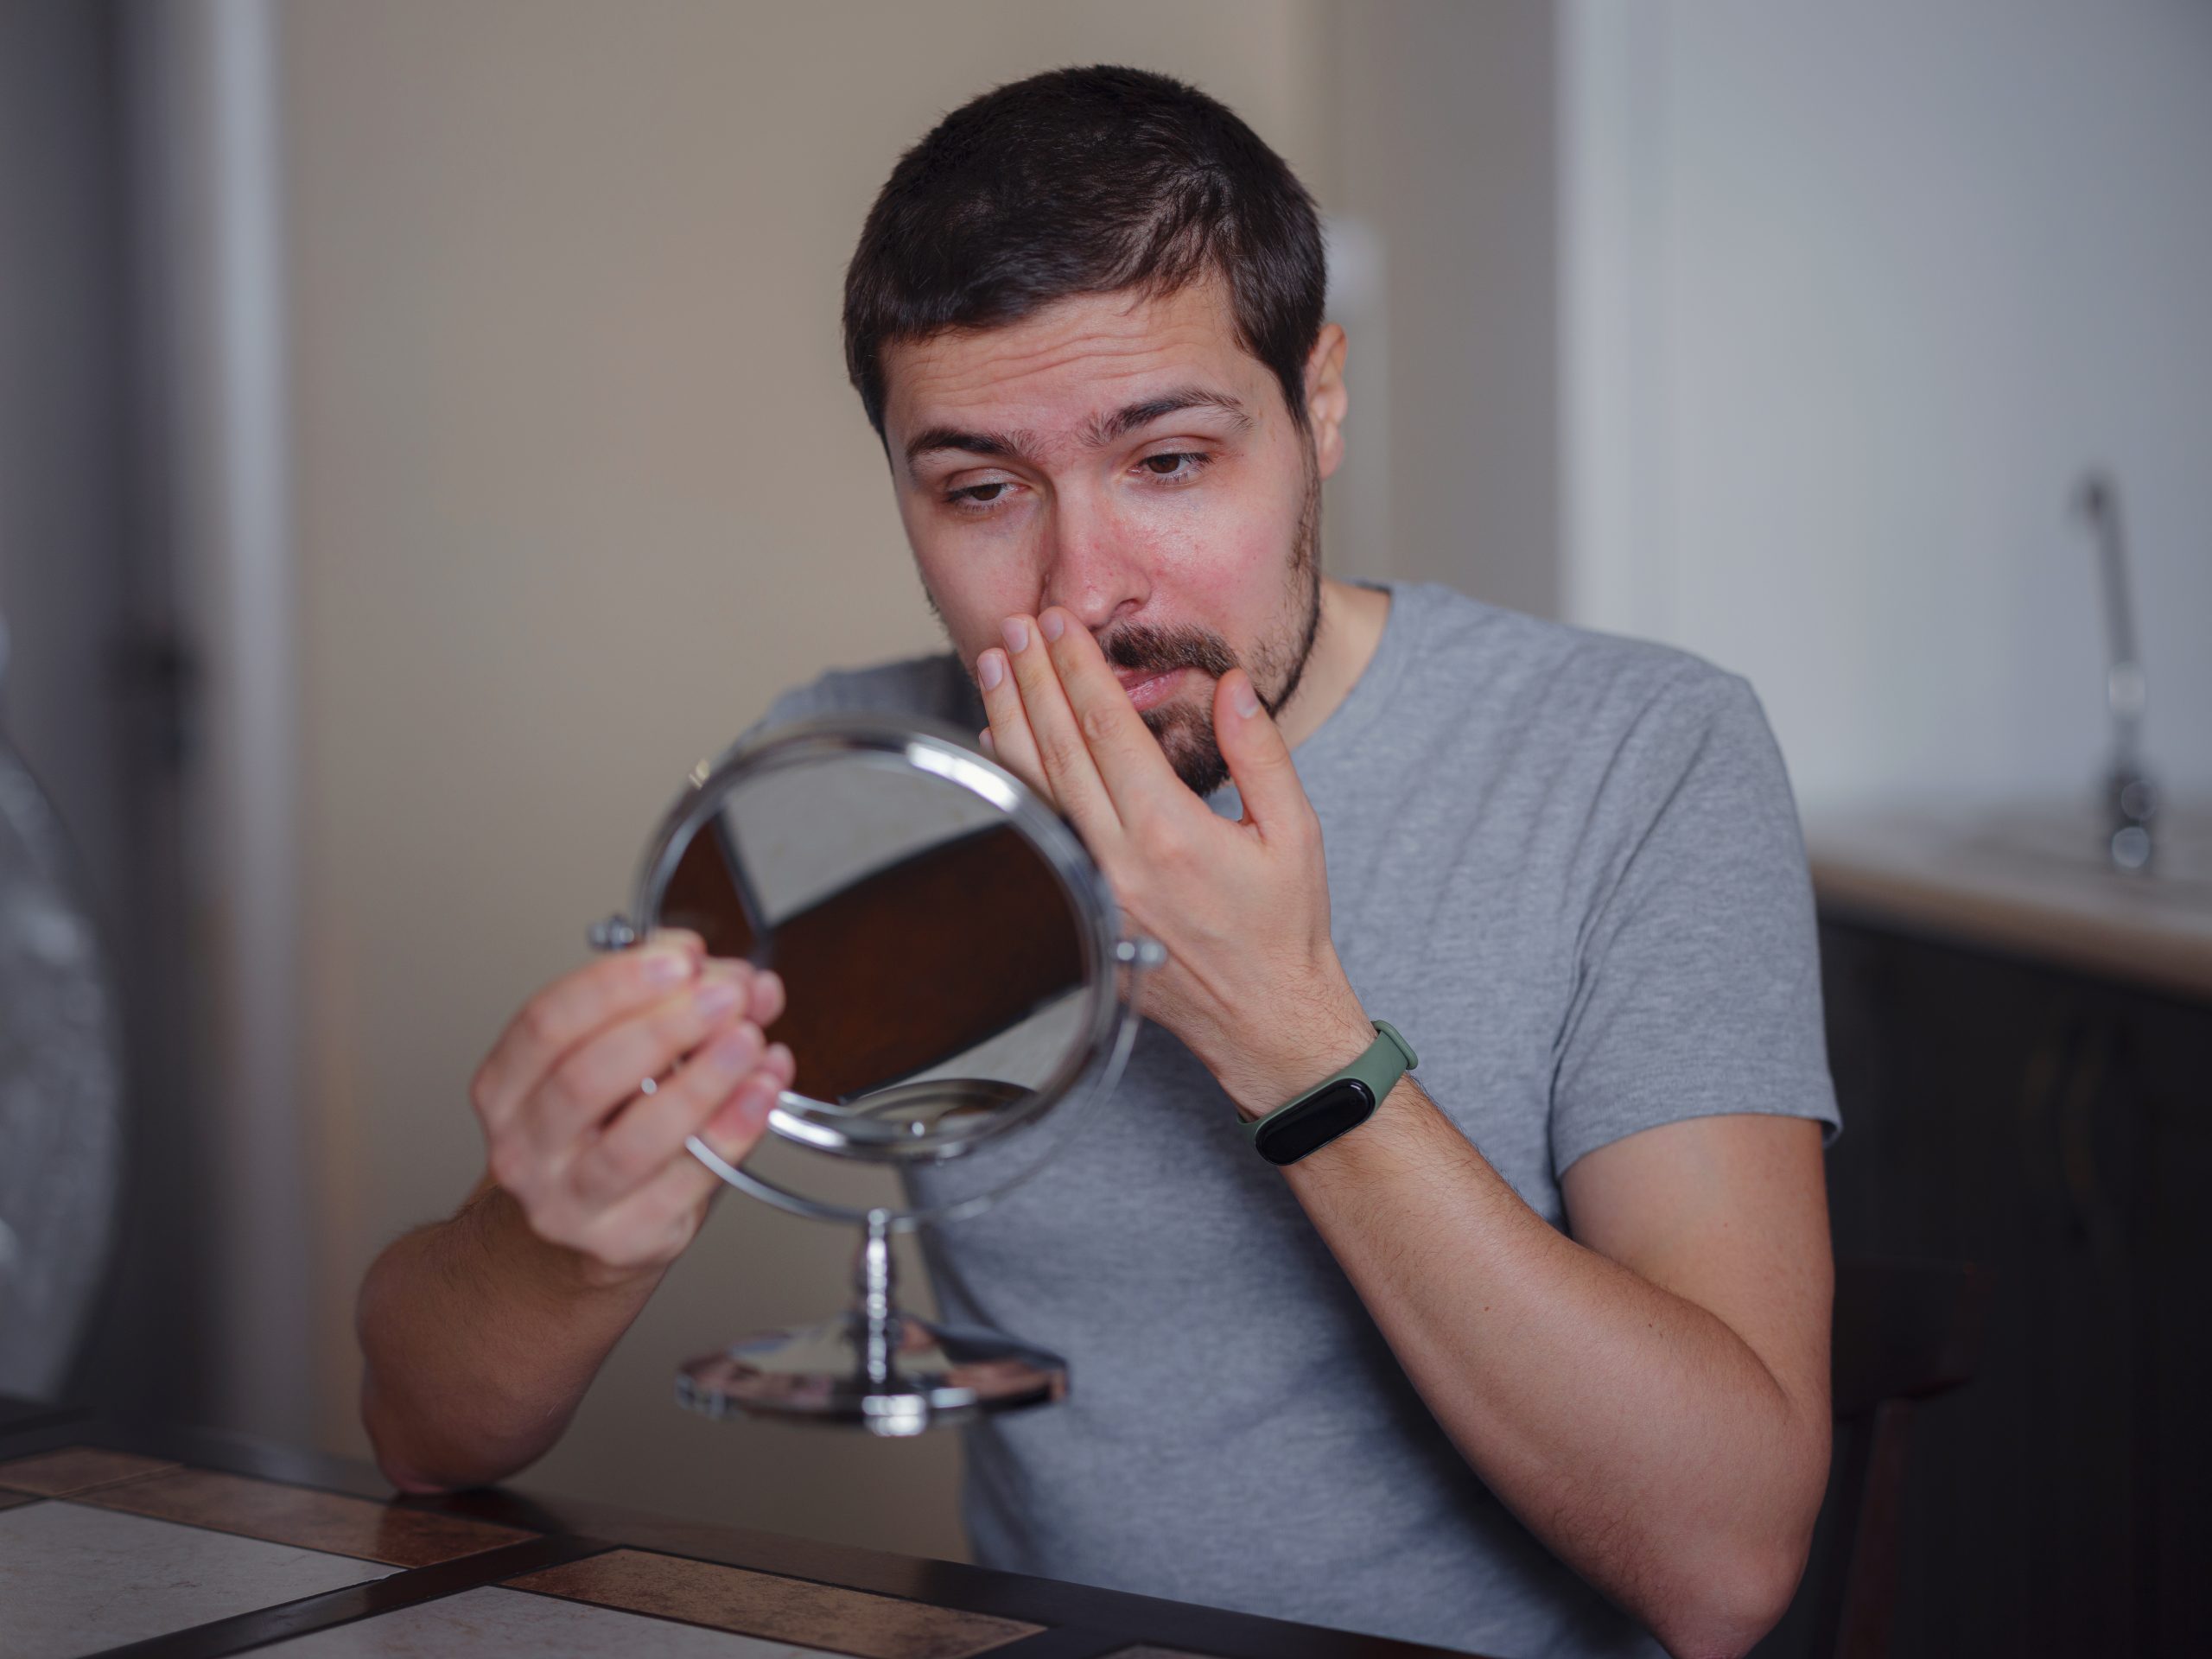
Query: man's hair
x=1086, y=181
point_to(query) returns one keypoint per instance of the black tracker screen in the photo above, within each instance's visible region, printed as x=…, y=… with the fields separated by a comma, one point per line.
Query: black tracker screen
x=1344, y=1104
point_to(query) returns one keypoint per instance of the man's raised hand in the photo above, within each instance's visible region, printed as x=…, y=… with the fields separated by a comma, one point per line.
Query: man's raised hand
x=1253, y=985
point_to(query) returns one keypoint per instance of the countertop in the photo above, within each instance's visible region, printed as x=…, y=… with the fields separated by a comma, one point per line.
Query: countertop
x=2028, y=880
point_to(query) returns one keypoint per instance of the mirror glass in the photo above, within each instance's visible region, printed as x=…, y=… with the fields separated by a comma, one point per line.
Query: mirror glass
x=942, y=978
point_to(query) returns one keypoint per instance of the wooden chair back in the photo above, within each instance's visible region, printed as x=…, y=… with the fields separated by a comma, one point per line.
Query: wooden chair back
x=1906, y=1331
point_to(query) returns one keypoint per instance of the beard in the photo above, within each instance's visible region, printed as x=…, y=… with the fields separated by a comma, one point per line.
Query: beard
x=1184, y=730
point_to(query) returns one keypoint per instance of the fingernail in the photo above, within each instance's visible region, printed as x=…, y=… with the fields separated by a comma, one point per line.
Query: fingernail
x=734, y=1051
x=1244, y=699
x=990, y=669
x=1054, y=625
x=989, y=743
x=1016, y=633
x=759, y=1095
x=717, y=997
x=741, y=1114
x=667, y=965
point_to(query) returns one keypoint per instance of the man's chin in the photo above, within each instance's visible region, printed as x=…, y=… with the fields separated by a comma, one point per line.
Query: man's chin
x=1185, y=734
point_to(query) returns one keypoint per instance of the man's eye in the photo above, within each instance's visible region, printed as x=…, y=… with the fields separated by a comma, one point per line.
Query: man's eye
x=980, y=495
x=1177, y=464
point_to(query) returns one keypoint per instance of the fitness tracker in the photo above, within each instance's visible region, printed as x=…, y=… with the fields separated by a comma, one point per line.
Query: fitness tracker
x=1335, y=1105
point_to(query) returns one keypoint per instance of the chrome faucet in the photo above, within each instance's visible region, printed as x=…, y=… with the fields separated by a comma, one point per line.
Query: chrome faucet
x=2131, y=797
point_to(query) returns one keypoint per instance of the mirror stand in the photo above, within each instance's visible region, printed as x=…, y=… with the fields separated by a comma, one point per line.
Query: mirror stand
x=875, y=1366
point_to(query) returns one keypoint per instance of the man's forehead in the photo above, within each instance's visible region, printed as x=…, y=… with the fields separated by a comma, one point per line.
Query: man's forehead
x=1066, y=369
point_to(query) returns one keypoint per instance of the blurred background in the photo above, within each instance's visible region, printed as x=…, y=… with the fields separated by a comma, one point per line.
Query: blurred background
x=423, y=434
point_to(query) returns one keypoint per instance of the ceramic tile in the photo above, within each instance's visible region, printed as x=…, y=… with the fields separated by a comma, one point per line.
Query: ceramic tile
x=76, y=1469
x=493, y=1620
x=75, y=1580
x=787, y=1610
x=311, y=1520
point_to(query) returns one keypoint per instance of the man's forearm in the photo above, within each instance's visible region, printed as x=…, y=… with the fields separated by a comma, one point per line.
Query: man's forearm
x=1630, y=1429
x=478, y=1339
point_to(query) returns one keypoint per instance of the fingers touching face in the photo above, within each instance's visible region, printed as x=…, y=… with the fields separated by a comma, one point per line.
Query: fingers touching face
x=1063, y=722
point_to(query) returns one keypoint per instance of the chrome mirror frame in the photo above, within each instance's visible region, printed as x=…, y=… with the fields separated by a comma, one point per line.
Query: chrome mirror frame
x=932, y=747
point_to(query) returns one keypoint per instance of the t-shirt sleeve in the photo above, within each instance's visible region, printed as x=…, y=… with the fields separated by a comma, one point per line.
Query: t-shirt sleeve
x=1697, y=987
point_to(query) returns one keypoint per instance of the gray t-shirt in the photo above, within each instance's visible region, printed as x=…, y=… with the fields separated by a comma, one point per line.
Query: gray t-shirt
x=1568, y=868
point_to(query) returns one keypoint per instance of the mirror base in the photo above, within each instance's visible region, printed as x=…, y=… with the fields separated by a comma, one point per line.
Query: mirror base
x=896, y=1375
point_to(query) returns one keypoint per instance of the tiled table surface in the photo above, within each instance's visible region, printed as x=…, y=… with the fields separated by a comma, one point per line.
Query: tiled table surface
x=174, y=1544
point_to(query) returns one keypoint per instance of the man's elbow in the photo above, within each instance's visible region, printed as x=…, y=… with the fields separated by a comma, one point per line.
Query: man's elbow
x=1732, y=1585
x=1735, y=1600
x=387, y=1445
x=406, y=1479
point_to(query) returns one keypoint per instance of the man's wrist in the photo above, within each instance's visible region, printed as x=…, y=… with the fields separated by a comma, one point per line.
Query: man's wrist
x=1292, y=1060
x=559, y=1275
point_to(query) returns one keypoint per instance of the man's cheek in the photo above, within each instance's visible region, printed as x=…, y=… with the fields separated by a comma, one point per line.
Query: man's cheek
x=1234, y=587
x=970, y=601
x=1232, y=554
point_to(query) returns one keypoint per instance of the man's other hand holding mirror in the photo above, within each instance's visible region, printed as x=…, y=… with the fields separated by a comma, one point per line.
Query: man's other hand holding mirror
x=590, y=1096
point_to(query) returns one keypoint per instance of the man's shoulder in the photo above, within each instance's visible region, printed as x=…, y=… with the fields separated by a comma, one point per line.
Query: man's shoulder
x=1530, y=671
x=934, y=686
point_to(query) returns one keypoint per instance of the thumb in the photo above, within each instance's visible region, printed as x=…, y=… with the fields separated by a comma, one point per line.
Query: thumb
x=1259, y=759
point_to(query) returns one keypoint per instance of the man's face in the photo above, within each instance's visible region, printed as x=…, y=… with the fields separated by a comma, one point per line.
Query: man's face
x=1126, y=458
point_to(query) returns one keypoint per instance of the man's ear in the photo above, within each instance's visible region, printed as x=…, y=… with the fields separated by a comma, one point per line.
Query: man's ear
x=1327, y=398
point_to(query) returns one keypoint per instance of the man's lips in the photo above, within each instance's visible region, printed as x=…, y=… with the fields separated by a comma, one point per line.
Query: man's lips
x=1150, y=687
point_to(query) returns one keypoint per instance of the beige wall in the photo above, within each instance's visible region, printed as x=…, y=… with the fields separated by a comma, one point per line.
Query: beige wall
x=579, y=485
x=1445, y=126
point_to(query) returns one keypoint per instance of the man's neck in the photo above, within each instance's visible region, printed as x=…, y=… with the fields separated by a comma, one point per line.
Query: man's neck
x=1351, y=628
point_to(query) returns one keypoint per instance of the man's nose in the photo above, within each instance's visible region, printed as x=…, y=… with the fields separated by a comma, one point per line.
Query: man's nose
x=1092, y=567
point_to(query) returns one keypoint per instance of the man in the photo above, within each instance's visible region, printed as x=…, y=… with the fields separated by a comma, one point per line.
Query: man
x=1533, y=1360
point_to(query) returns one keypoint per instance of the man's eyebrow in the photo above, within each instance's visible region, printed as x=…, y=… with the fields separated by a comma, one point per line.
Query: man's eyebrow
x=1123, y=421
x=1102, y=431
x=1000, y=445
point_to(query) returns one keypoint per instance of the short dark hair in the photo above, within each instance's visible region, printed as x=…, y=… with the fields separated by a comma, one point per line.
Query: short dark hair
x=1088, y=181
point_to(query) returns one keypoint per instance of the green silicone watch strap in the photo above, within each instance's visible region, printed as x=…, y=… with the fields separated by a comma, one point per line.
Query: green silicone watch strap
x=1386, y=1060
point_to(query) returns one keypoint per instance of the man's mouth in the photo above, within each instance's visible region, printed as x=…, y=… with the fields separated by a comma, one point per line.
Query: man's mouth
x=1150, y=687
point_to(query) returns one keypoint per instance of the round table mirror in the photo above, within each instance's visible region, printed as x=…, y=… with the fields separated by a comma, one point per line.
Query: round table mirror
x=958, y=993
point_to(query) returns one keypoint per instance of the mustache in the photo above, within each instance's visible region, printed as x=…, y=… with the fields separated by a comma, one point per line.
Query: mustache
x=1146, y=648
